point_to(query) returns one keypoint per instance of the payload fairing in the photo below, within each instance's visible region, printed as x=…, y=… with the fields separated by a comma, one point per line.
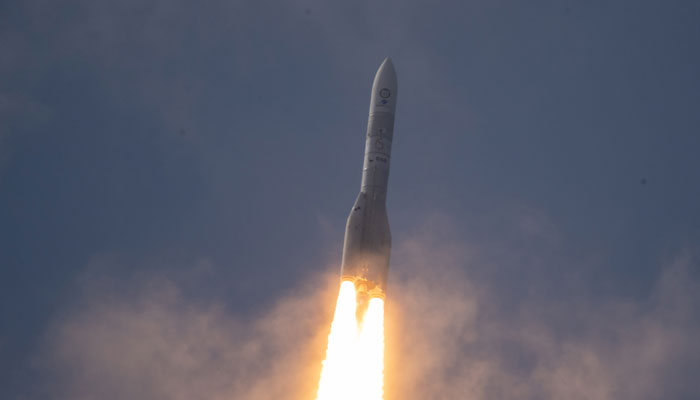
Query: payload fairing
x=367, y=244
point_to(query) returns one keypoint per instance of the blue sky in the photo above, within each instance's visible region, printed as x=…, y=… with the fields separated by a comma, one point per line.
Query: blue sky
x=544, y=170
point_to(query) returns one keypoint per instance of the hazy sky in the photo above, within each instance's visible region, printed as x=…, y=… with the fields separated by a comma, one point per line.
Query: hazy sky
x=545, y=154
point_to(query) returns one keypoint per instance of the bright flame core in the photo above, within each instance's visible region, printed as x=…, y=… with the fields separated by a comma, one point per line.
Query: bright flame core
x=354, y=365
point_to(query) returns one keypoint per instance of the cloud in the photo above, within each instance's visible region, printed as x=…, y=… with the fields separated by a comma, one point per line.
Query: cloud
x=143, y=338
x=448, y=336
x=451, y=337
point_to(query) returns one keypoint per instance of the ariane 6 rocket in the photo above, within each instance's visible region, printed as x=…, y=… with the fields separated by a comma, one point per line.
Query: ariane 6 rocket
x=367, y=244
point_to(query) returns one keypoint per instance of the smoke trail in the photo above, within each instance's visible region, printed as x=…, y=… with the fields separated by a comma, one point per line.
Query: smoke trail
x=446, y=338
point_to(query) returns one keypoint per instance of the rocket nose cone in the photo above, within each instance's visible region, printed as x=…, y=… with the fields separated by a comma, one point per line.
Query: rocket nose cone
x=384, y=88
x=386, y=72
x=387, y=64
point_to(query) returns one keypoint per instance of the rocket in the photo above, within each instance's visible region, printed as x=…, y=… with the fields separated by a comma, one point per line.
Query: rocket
x=367, y=245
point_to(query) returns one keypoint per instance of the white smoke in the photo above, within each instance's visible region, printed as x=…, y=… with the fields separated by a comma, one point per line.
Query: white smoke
x=446, y=338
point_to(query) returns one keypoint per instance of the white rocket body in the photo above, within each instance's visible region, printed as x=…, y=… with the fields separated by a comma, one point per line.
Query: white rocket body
x=367, y=245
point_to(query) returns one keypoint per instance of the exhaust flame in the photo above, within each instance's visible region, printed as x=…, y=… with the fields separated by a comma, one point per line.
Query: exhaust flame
x=372, y=351
x=354, y=365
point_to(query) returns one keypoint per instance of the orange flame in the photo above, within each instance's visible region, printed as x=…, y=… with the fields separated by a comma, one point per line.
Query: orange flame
x=354, y=365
